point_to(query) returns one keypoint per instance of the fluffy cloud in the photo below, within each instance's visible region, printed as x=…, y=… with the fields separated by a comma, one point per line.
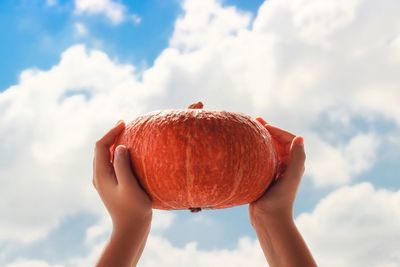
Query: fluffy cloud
x=352, y=226
x=331, y=164
x=294, y=64
x=395, y=45
x=48, y=125
x=161, y=220
x=114, y=11
x=355, y=226
x=213, y=49
x=160, y=252
x=315, y=69
x=30, y=263
x=316, y=21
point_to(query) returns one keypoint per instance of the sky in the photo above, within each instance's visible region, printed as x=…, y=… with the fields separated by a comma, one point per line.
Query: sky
x=325, y=70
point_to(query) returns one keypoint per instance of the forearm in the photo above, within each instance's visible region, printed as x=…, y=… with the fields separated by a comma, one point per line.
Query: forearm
x=282, y=243
x=140, y=250
x=125, y=246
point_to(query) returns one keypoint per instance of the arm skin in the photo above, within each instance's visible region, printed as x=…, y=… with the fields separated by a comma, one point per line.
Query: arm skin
x=125, y=247
x=272, y=214
x=128, y=205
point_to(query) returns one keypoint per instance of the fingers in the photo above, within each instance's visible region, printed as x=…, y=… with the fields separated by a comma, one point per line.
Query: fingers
x=279, y=134
x=298, y=154
x=102, y=165
x=295, y=168
x=261, y=120
x=122, y=166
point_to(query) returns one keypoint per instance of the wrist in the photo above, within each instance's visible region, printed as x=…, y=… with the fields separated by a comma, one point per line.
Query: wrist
x=133, y=225
x=259, y=219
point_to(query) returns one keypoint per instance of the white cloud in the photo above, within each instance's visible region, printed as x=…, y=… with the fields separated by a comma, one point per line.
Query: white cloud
x=332, y=164
x=287, y=70
x=161, y=221
x=49, y=123
x=395, y=45
x=30, y=263
x=274, y=65
x=268, y=70
x=80, y=29
x=114, y=11
x=160, y=252
x=352, y=226
x=316, y=20
x=381, y=99
x=355, y=226
x=205, y=23
x=213, y=49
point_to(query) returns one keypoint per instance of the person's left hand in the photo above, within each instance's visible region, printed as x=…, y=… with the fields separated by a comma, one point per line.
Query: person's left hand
x=279, y=198
x=126, y=202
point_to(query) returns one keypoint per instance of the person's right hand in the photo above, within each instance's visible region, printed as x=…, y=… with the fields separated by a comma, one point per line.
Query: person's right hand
x=278, y=200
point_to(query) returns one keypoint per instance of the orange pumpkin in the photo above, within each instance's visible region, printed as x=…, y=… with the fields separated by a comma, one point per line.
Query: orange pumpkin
x=200, y=159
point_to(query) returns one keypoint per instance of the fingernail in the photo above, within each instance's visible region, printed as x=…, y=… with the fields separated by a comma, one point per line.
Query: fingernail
x=120, y=150
x=299, y=140
x=262, y=120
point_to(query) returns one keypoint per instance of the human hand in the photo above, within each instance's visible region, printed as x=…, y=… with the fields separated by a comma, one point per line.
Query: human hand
x=125, y=200
x=279, y=198
x=272, y=214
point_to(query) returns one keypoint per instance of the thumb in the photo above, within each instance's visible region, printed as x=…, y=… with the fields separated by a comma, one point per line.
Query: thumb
x=122, y=166
x=295, y=168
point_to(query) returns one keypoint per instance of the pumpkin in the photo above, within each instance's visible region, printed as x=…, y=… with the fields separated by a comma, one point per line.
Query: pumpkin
x=200, y=159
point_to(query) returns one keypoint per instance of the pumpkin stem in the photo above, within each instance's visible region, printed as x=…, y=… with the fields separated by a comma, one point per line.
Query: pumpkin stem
x=197, y=105
x=194, y=209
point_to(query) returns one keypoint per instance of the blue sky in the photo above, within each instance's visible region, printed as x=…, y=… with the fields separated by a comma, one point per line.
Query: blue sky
x=327, y=71
x=34, y=33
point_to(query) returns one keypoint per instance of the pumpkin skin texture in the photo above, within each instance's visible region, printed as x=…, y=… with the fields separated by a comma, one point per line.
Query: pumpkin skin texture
x=200, y=159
